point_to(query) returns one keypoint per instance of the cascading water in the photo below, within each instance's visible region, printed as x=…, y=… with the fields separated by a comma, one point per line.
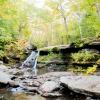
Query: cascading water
x=31, y=61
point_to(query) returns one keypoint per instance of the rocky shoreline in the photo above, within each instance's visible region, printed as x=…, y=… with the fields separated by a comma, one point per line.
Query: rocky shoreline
x=50, y=84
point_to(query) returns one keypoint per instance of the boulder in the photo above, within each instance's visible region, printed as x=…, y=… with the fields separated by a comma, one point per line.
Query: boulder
x=88, y=85
x=49, y=86
x=3, y=68
x=5, y=79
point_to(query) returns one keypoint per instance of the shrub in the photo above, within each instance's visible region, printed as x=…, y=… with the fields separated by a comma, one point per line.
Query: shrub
x=2, y=54
x=49, y=57
x=83, y=70
x=84, y=56
x=98, y=61
x=91, y=70
x=16, y=49
x=55, y=49
x=81, y=43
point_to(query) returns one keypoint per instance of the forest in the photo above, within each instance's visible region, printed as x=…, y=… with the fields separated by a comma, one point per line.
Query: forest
x=64, y=36
x=47, y=23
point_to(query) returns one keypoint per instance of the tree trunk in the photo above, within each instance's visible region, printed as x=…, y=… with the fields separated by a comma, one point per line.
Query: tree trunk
x=97, y=5
x=65, y=20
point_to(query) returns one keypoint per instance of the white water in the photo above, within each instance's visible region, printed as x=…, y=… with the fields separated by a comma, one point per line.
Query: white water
x=31, y=61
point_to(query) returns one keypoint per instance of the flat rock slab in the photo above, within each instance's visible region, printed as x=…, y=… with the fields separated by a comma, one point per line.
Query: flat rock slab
x=5, y=79
x=88, y=85
x=52, y=94
x=3, y=68
x=52, y=76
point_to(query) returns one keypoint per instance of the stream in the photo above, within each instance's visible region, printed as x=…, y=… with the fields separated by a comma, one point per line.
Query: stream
x=7, y=95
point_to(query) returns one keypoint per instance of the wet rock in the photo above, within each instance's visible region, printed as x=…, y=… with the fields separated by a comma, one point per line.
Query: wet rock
x=17, y=90
x=53, y=94
x=29, y=88
x=88, y=85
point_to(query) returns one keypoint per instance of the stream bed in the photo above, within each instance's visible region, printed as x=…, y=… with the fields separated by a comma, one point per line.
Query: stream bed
x=19, y=94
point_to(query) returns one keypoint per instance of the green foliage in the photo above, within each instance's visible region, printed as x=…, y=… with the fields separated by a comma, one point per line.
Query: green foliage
x=90, y=25
x=47, y=26
x=91, y=70
x=58, y=22
x=98, y=61
x=16, y=49
x=49, y=57
x=79, y=43
x=83, y=70
x=55, y=49
x=84, y=56
x=4, y=39
x=78, y=69
x=2, y=54
x=82, y=42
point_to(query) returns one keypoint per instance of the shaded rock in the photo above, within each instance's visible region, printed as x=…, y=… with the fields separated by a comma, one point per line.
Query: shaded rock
x=5, y=59
x=30, y=89
x=88, y=85
x=54, y=94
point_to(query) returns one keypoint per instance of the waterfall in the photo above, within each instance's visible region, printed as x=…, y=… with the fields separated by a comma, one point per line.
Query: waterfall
x=31, y=61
